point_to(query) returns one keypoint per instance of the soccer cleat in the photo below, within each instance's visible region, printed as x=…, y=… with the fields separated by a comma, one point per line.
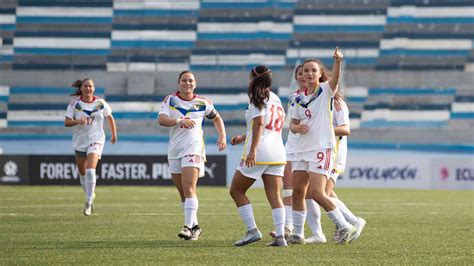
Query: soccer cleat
x=250, y=236
x=185, y=233
x=278, y=241
x=359, y=226
x=92, y=204
x=317, y=238
x=87, y=209
x=288, y=232
x=196, y=231
x=347, y=235
x=336, y=235
x=296, y=240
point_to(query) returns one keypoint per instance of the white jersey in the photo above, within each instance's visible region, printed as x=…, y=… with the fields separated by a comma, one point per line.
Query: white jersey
x=292, y=140
x=316, y=112
x=186, y=141
x=341, y=117
x=93, y=132
x=270, y=149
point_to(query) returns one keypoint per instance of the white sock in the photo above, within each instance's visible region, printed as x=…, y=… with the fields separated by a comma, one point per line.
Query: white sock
x=338, y=219
x=348, y=215
x=278, y=215
x=246, y=213
x=82, y=178
x=289, y=217
x=298, y=222
x=191, y=206
x=90, y=182
x=314, y=216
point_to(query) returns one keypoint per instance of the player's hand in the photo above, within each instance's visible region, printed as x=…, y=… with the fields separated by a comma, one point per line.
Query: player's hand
x=338, y=55
x=221, y=143
x=113, y=139
x=187, y=123
x=83, y=121
x=236, y=139
x=250, y=160
x=302, y=129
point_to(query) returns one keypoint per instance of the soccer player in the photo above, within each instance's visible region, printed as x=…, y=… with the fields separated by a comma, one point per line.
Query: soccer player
x=341, y=126
x=183, y=112
x=86, y=113
x=290, y=145
x=263, y=156
x=313, y=120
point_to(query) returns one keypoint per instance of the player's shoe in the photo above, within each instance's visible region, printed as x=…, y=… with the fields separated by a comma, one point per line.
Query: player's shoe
x=288, y=233
x=92, y=204
x=185, y=233
x=250, y=236
x=347, y=235
x=296, y=240
x=87, y=209
x=336, y=235
x=359, y=226
x=196, y=231
x=317, y=238
x=278, y=241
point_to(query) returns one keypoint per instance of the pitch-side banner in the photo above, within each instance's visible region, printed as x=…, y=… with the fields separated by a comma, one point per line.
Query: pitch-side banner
x=373, y=169
x=14, y=169
x=119, y=170
x=453, y=172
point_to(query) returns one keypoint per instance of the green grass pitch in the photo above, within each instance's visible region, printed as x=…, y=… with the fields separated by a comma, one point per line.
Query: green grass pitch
x=139, y=225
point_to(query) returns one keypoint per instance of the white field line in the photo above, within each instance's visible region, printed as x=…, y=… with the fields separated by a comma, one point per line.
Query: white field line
x=105, y=205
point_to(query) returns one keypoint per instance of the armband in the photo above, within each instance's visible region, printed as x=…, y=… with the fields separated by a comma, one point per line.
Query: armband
x=212, y=114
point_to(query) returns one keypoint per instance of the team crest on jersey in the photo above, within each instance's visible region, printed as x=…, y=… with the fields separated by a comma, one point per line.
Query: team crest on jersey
x=300, y=99
x=182, y=108
x=98, y=106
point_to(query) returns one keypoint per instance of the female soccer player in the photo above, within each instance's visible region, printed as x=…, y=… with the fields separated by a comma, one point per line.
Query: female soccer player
x=263, y=156
x=313, y=164
x=342, y=131
x=86, y=114
x=290, y=145
x=183, y=112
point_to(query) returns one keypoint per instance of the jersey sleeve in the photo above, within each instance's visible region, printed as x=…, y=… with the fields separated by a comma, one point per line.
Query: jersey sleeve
x=210, y=111
x=70, y=110
x=254, y=112
x=165, y=107
x=342, y=115
x=107, y=109
x=327, y=89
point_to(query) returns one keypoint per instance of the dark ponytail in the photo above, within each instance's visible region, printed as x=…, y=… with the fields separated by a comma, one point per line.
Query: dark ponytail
x=259, y=87
x=78, y=84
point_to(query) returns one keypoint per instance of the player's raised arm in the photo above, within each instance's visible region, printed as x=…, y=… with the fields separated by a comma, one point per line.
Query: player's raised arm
x=336, y=70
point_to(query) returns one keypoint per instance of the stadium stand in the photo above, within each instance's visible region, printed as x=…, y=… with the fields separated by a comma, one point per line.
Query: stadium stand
x=234, y=35
x=423, y=35
x=7, y=30
x=152, y=35
x=221, y=40
x=62, y=34
x=319, y=26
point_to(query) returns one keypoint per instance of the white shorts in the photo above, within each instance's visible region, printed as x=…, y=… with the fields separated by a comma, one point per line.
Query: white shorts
x=95, y=147
x=175, y=165
x=320, y=162
x=258, y=170
x=290, y=157
x=334, y=175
